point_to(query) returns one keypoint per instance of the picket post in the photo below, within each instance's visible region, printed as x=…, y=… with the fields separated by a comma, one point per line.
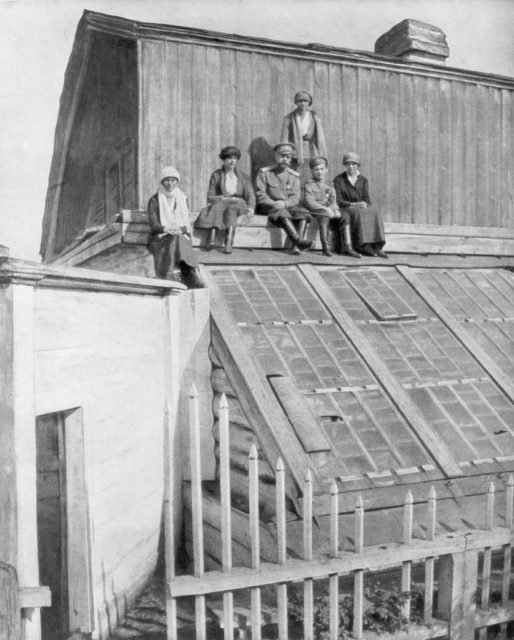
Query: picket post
x=308, y=584
x=458, y=573
x=281, y=547
x=226, y=523
x=407, y=539
x=196, y=507
x=429, y=562
x=334, y=552
x=253, y=470
x=358, y=584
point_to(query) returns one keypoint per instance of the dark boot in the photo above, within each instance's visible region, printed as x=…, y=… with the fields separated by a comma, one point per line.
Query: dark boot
x=378, y=251
x=301, y=228
x=323, y=236
x=191, y=278
x=346, y=242
x=367, y=250
x=229, y=239
x=294, y=235
x=211, y=239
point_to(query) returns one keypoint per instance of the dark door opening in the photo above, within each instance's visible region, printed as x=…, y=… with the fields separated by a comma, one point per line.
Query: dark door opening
x=52, y=523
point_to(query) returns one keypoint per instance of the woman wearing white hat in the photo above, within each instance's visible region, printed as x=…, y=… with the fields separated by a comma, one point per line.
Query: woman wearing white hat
x=352, y=194
x=170, y=232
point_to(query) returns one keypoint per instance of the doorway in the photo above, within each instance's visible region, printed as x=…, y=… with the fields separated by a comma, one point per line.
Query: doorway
x=51, y=523
x=63, y=524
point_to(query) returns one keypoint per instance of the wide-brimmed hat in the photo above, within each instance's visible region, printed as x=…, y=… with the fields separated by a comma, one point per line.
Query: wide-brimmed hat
x=351, y=156
x=302, y=95
x=226, y=152
x=318, y=160
x=169, y=172
x=288, y=145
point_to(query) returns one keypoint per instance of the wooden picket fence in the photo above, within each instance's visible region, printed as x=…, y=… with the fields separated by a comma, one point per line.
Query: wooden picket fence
x=453, y=558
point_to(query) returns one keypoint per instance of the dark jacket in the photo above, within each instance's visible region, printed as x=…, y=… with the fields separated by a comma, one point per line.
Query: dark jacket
x=216, y=189
x=347, y=194
x=154, y=219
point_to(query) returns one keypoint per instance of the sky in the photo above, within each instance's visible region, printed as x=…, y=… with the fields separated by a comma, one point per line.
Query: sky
x=36, y=38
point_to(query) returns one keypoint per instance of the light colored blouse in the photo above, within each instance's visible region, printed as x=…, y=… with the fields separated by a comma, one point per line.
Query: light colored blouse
x=230, y=183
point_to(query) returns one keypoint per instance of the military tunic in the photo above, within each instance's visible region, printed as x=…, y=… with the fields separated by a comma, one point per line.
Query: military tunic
x=317, y=195
x=279, y=183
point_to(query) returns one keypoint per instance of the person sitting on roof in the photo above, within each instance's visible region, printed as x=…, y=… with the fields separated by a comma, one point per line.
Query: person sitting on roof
x=277, y=190
x=352, y=194
x=170, y=232
x=320, y=199
x=303, y=128
x=230, y=194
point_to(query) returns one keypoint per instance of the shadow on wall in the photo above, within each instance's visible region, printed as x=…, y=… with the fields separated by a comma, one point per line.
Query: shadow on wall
x=261, y=155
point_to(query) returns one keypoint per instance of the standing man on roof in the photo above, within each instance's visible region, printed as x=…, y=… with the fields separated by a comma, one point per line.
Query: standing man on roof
x=277, y=191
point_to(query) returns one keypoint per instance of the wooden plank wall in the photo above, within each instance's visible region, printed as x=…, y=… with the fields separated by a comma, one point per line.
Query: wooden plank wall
x=104, y=352
x=437, y=150
x=100, y=167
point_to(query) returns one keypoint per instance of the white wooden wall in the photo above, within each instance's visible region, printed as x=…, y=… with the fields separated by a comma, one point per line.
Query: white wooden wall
x=105, y=352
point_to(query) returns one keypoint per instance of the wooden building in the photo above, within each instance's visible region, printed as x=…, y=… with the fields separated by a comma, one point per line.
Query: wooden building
x=378, y=375
x=91, y=365
x=437, y=143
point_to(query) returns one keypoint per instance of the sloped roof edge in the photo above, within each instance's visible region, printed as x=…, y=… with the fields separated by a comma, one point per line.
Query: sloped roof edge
x=73, y=77
x=128, y=28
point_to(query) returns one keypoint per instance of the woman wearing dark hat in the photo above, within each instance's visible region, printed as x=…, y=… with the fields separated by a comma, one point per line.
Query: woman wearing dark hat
x=303, y=128
x=352, y=193
x=170, y=232
x=230, y=194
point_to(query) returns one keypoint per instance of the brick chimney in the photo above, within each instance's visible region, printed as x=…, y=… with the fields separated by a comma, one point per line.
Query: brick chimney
x=414, y=40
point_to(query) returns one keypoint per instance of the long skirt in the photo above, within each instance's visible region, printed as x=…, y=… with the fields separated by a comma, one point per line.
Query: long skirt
x=221, y=214
x=366, y=227
x=170, y=253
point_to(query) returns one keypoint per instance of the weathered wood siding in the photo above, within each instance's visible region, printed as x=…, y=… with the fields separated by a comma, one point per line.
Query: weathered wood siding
x=100, y=167
x=104, y=352
x=437, y=147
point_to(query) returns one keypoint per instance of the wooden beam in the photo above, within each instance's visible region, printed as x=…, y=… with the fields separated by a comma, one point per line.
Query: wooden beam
x=35, y=597
x=75, y=74
x=493, y=370
x=313, y=52
x=23, y=272
x=300, y=415
x=393, y=388
x=80, y=589
x=109, y=236
x=8, y=508
x=10, y=627
x=444, y=230
x=457, y=587
x=257, y=233
x=259, y=404
x=372, y=558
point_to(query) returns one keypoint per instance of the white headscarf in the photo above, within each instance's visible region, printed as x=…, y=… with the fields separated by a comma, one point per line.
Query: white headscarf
x=173, y=207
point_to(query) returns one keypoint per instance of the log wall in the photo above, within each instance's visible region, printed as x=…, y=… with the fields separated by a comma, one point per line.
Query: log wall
x=437, y=146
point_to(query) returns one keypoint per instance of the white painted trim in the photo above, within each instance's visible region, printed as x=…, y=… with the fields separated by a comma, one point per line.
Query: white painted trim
x=24, y=418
